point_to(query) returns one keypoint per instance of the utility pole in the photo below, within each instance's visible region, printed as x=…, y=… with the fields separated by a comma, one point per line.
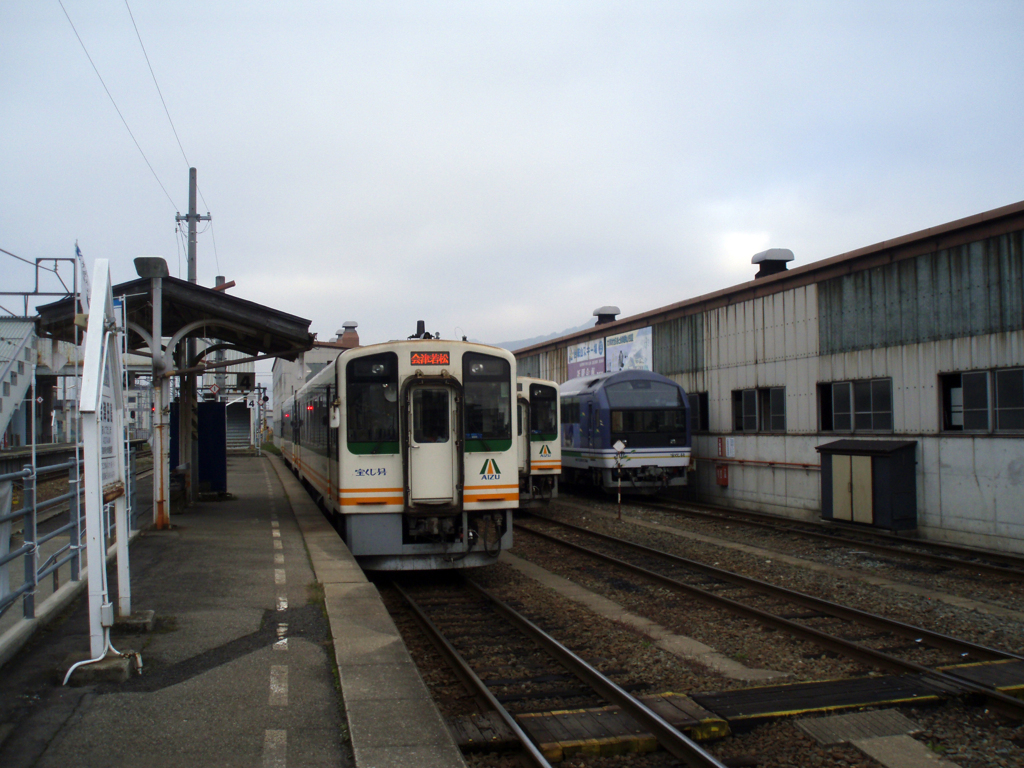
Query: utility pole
x=188, y=448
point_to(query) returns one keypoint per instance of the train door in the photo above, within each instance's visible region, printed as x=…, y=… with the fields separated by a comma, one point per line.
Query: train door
x=523, y=439
x=432, y=455
x=333, y=465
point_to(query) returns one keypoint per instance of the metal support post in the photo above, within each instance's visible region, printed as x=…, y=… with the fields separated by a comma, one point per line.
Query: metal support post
x=96, y=563
x=74, y=511
x=124, y=576
x=188, y=451
x=161, y=398
x=133, y=493
x=28, y=506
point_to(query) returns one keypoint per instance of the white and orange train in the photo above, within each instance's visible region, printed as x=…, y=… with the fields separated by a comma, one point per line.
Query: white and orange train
x=540, y=444
x=410, y=447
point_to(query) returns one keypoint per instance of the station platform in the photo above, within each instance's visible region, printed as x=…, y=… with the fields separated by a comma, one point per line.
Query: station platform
x=270, y=648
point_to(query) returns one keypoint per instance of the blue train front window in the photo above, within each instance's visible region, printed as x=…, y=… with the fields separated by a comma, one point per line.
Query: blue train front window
x=648, y=413
x=649, y=421
x=643, y=394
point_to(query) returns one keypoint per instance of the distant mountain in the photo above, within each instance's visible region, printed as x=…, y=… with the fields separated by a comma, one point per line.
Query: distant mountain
x=512, y=346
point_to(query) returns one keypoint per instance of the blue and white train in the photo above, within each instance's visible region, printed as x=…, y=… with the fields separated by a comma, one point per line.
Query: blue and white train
x=644, y=413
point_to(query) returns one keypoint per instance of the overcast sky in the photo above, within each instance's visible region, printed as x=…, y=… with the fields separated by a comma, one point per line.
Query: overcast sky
x=498, y=169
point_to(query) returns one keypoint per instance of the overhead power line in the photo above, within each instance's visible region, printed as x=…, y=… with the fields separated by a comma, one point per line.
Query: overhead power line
x=169, y=120
x=115, y=105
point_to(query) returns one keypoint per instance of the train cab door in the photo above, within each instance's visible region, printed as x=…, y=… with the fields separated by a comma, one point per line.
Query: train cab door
x=523, y=438
x=432, y=446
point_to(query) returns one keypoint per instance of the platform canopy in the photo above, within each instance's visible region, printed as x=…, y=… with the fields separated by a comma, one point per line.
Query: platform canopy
x=250, y=328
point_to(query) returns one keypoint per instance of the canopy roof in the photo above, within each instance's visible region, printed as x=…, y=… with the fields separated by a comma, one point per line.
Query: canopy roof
x=251, y=328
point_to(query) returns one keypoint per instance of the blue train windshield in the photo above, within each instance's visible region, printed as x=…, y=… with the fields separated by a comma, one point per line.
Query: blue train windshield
x=643, y=393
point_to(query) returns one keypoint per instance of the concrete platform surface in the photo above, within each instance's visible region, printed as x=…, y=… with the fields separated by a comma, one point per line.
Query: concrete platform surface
x=237, y=671
x=392, y=720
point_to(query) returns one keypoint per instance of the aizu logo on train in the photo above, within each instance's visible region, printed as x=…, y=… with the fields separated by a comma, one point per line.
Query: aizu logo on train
x=490, y=470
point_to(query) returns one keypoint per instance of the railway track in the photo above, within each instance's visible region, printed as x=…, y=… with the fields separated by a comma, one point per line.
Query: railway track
x=978, y=561
x=551, y=700
x=875, y=641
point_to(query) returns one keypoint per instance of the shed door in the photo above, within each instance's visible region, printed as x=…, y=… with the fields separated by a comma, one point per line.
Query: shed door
x=842, y=499
x=852, y=489
x=431, y=446
x=861, y=488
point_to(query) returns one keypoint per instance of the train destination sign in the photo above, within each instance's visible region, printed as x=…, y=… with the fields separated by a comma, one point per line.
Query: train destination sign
x=430, y=358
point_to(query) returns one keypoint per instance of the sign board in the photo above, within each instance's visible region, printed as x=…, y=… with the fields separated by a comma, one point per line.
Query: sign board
x=430, y=358
x=629, y=351
x=102, y=410
x=585, y=359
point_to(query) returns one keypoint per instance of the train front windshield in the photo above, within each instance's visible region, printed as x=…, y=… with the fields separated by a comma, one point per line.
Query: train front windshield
x=487, y=382
x=646, y=408
x=372, y=395
x=543, y=411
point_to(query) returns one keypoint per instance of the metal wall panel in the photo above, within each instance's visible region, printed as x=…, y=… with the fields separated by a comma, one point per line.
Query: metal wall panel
x=528, y=366
x=678, y=345
x=968, y=290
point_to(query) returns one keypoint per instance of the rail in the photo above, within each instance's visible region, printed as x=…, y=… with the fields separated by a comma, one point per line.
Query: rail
x=1005, y=704
x=669, y=737
x=1004, y=565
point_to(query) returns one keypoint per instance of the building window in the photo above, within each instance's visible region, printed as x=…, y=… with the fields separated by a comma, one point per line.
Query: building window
x=965, y=401
x=1010, y=399
x=699, y=420
x=856, y=406
x=980, y=401
x=761, y=410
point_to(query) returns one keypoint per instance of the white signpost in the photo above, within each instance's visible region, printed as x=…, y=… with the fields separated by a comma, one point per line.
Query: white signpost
x=102, y=413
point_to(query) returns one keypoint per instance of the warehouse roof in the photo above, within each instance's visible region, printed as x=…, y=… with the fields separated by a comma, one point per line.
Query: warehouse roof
x=998, y=221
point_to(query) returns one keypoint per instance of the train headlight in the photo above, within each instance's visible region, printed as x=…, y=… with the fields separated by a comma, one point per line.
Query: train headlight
x=476, y=368
x=377, y=368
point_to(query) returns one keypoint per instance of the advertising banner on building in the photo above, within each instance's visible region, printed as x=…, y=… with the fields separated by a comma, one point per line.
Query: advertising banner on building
x=629, y=351
x=585, y=359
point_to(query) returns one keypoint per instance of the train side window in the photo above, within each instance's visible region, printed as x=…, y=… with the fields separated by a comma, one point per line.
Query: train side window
x=571, y=410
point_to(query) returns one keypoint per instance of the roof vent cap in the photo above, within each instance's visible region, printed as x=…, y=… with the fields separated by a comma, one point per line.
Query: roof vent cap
x=606, y=314
x=772, y=261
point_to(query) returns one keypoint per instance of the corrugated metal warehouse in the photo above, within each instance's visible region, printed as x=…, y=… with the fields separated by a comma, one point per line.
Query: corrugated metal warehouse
x=913, y=343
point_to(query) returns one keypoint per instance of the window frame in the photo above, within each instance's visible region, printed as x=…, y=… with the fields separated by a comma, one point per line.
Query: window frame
x=759, y=410
x=996, y=412
x=855, y=415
